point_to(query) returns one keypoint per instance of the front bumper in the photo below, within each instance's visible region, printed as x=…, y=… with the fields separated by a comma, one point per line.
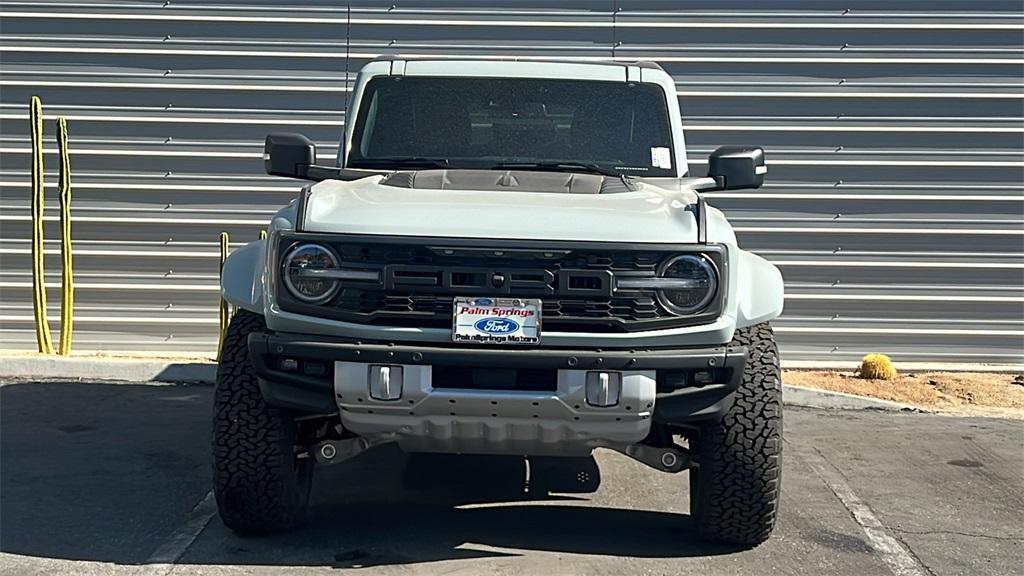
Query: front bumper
x=322, y=375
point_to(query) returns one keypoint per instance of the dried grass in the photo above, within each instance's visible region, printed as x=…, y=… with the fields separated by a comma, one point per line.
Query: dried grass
x=963, y=392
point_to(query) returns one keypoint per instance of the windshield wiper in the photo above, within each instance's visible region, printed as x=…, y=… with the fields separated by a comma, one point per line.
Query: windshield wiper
x=400, y=162
x=558, y=167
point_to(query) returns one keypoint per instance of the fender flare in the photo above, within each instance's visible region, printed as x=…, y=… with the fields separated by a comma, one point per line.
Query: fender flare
x=760, y=291
x=241, y=280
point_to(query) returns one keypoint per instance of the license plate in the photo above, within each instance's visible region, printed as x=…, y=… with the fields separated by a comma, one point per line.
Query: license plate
x=496, y=321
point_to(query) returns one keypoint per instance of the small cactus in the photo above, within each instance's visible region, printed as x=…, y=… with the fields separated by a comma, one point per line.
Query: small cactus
x=877, y=367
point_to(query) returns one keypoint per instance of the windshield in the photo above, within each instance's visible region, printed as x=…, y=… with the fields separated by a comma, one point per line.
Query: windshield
x=513, y=123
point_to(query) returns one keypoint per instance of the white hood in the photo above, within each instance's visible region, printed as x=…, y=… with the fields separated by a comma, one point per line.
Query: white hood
x=650, y=214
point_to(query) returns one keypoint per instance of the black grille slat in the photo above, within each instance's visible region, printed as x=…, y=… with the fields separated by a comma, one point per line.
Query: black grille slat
x=412, y=299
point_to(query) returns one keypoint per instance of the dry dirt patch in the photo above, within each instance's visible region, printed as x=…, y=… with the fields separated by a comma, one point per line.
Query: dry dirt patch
x=970, y=393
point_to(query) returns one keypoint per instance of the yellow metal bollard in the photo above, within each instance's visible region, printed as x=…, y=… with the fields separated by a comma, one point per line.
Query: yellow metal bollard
x=263, y=234
x=43, y=338
x=225, y=310
x=67, y=279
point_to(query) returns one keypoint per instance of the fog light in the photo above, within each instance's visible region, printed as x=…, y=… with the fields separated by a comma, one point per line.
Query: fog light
x=314, y=368
x=604, y=388
x=289, y=364
x=703, y=377
x=672, y=380
x=385, y=382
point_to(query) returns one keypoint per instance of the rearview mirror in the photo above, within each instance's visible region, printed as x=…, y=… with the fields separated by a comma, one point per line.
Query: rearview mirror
x=287, y=154
x=737, y=167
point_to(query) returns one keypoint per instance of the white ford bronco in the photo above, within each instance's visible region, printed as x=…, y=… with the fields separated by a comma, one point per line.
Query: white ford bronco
x=509, y=257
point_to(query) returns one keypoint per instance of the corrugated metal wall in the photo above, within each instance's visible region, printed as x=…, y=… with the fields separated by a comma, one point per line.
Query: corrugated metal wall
x=894, y=132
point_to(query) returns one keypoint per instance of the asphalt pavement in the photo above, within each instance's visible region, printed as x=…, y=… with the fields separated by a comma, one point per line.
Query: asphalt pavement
x=99, y=478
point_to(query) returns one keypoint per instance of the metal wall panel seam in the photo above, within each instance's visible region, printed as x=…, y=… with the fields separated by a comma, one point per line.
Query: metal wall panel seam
x=395, y=9
x=631, y=51
x=683, y=81
x=603, y=22
x=838, y=128
x=580, y=59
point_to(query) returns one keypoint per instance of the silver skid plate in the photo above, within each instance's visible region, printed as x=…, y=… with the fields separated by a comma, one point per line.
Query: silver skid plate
x=560, y=422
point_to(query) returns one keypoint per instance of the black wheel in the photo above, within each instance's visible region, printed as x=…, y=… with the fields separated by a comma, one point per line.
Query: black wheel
x=260, y=484
x=734, y=491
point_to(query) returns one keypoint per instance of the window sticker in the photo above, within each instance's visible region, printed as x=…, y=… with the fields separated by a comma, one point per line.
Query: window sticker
x=661, y=157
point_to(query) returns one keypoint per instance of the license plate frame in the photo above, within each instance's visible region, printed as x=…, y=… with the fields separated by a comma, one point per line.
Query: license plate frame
x=501, y=321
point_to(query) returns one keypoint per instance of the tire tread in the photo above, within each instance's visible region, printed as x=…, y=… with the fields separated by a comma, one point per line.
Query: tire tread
x=254, y=477
x=740, y=456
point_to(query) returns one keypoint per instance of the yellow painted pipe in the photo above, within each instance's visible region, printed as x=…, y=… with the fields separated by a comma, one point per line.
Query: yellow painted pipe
x=67, y=278
x=263, y=234
x=225, y=310
x=43, y=338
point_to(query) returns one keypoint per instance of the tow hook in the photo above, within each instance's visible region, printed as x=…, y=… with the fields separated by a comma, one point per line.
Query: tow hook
x=666, y=459
x=335, y=451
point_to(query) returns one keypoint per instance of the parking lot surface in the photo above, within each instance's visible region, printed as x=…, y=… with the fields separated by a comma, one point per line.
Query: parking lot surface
x=101, y=478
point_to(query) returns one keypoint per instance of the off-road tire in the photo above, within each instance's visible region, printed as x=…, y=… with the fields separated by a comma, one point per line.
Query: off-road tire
x=259, y=483
x=734, y=491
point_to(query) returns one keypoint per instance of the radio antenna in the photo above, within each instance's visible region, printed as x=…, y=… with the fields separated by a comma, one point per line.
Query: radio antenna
x=348, y=94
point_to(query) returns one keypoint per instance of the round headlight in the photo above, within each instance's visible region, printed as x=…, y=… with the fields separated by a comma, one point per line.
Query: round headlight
x=699, y=281
x=299, y=271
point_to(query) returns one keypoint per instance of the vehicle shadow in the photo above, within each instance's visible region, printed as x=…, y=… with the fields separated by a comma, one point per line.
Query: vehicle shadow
x=388, y=508
x=108, y=472
x=99, y=471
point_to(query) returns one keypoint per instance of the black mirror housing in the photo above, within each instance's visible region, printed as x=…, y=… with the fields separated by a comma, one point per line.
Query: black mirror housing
x=737, y=167
x=288, y=154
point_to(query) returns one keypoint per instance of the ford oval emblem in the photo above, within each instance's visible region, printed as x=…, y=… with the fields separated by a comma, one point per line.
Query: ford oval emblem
x=483, y=302
x=496, y=326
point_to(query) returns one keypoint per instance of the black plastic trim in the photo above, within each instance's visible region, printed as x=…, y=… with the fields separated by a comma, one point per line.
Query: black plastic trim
x=300, y=210
x=698, y=403
x=702, y=220
x=316, y=394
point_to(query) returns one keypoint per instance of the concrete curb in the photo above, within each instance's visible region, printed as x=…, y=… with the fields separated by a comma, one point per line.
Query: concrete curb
x=113, y=369
x=815, y=398
x=905, y=367
x=148, y=370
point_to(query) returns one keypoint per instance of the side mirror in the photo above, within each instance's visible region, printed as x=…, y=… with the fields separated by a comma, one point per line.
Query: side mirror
x=290, y=155
x=737, y=167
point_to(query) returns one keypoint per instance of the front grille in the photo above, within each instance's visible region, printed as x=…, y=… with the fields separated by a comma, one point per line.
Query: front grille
x=418, y=284
x=427, y=310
